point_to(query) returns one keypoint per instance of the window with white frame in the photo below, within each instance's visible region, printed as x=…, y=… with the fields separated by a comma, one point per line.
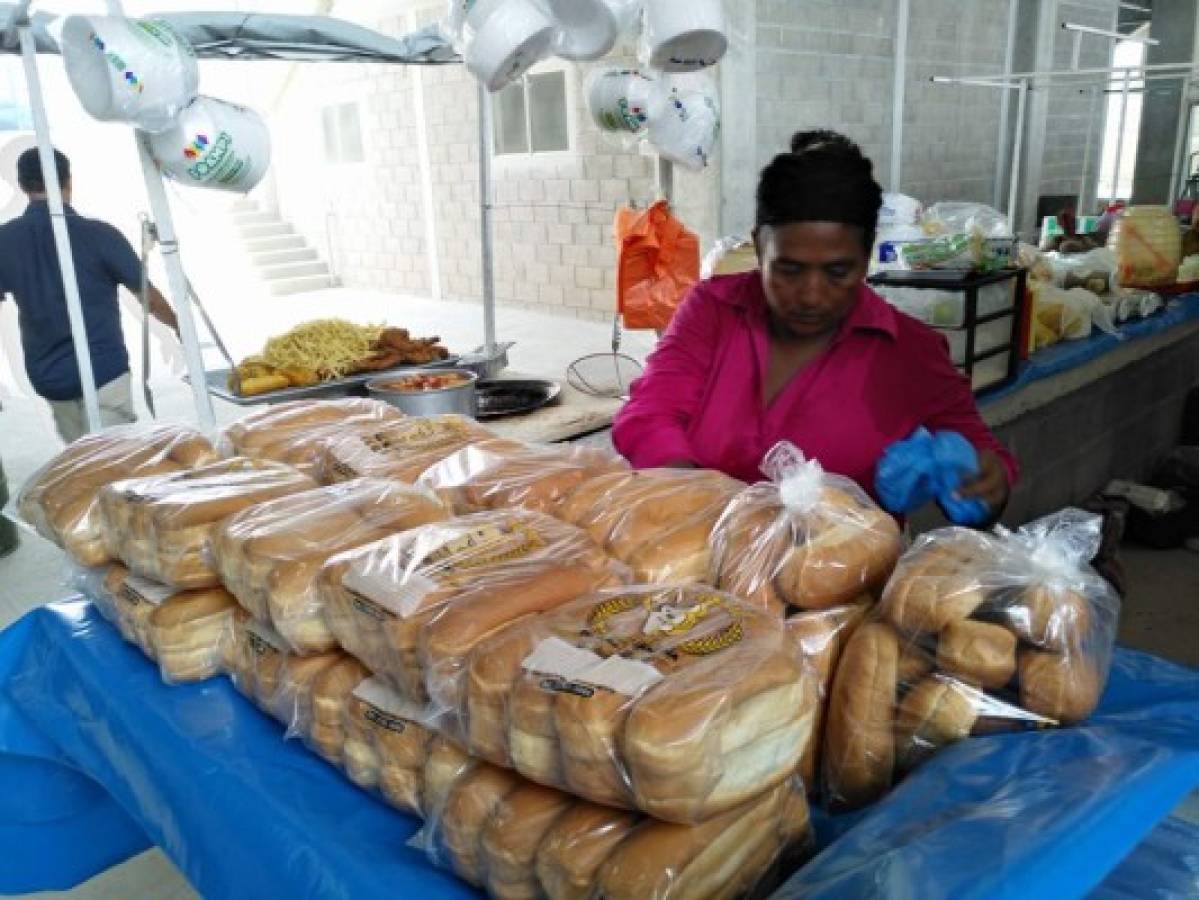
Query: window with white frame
x=1122, y=123
x=532, y=115
x=342, y=130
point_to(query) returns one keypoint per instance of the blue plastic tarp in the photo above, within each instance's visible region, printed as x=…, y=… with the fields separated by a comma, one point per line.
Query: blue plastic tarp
x=204, y=775
x=1164, y=865
x=1072, y=354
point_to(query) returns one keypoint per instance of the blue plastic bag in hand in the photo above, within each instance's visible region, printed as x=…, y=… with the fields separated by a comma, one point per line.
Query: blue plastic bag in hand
x=930, y=466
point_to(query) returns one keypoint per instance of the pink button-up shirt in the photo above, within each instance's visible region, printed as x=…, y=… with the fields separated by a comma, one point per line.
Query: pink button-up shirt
x=700, y=398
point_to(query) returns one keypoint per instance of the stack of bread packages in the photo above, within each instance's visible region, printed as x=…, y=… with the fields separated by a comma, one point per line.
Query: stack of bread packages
x=188, y=633
x=976, y=633
x=640, y=741
x=165, y=587
x=812, y=548
x=296, y=432
x=59, y=500
x=658, y=521
x=400, y=450
x=500, y=474
x=269, y=556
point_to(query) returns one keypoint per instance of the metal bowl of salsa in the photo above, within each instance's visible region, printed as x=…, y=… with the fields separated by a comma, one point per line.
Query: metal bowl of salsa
x=427, y=392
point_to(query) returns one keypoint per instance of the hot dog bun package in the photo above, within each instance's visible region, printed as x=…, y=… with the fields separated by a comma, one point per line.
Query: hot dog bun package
x=386, y=744
x=975, y=633
x=295, y=432
x=658, y=521
x=501, y=474
x=159, y=526
x=59, y=500
x=682, y=702
x=277, y=681
x=400, y=450
x=413, y=605
x=516, y=838
x=269, y=555
x=188, y=633
x=804, y=540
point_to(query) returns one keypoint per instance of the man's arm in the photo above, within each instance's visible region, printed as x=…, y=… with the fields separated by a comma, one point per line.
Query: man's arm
x=162, y=310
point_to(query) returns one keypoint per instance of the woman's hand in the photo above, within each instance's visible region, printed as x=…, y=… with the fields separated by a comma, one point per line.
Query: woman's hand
x=991, y=484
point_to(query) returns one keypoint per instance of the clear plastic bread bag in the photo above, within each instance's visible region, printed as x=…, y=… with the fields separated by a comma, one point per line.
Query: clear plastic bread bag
x=296, y=432
x=400, y=450
x=679, y=701
x=276, y=681
x=413, y=605
x=976, y=633
x=59, y=499
x=188, y=633
x=160, y=526
x=269, y=555
x=804, y=540
x=512, y=837
x=658, y=521
x=385, y=742
x=501, y=474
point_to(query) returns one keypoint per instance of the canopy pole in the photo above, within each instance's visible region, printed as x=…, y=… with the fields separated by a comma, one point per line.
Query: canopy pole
x=486, y=223
x=1086, y=153
x=160, y=207
x=58, y=224
x=1017, y=155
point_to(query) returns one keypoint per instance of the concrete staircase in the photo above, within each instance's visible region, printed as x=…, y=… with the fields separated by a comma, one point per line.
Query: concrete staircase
x=278, y=255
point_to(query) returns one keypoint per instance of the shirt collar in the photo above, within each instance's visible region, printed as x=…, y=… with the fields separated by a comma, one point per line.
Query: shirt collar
x=40, y=207
x=870, y=314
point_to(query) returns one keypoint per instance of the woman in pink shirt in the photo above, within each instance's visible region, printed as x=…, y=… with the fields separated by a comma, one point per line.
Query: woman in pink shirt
x=803, y=350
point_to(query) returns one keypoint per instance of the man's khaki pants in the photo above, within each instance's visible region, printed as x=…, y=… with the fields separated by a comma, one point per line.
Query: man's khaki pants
x=116, y=408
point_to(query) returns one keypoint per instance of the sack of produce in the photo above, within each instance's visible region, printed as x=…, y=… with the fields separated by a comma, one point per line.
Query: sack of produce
x=975, y=633
x=269, y=555
x=59, y=500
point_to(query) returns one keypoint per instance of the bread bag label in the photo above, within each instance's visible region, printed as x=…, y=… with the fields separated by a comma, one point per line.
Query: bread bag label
x=263, y=639
x=418, y=434
x=647, y=626
x=385, y=708
x=401, y=587
x=136, y=590
x=570, y=669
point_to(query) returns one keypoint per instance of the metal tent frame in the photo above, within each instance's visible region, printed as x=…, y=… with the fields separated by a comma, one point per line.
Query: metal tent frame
x=230, y=36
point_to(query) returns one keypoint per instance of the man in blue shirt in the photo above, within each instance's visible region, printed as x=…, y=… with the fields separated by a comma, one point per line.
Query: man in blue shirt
x=29, y=271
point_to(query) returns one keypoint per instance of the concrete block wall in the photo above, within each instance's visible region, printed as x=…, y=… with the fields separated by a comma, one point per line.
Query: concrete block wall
x=950, y=132
x=1069, y=111
x=822, y=64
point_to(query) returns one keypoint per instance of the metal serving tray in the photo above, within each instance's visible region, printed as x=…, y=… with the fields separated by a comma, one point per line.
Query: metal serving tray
x=217, y=382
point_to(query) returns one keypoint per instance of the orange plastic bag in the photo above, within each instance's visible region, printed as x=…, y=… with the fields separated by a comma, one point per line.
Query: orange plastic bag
x=657, y=264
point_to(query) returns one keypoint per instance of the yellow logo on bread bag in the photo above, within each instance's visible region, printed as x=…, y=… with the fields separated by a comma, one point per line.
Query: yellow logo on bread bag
x=486, y=545
x=665, y=621
x=423, y=434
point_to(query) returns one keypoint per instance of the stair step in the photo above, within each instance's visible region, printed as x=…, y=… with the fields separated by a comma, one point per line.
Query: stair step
x=284, y=271
x=266, y=229
x=268, y=258
x=300, y=285
x=243, y=205
x=276, y=242
x=254, y=217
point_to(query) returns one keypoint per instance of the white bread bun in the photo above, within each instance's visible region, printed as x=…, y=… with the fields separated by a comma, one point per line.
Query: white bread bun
x=859, y=738
x=510, y=840
x=978, y=653
x=576, y=846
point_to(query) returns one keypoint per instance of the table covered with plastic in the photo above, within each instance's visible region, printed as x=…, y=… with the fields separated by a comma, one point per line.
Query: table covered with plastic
x=100, y=760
